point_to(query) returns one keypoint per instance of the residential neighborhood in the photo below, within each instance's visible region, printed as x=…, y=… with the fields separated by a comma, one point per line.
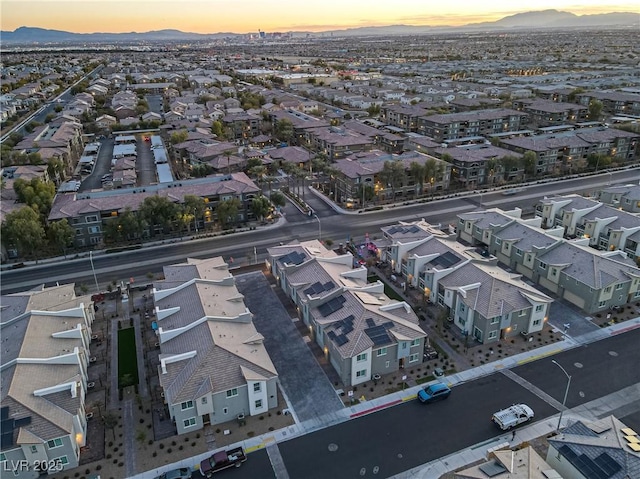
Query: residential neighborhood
x=239, y=240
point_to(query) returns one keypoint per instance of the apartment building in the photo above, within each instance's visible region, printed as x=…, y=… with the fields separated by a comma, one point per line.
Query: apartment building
x=366, y=169
x=89, y=213
x=480, y=164
x=613, y=102
x=567, y=151
x=362, y=332
x=213, y=367
x=451, y=126
x=402, y=116
x=45, y=357
x=549, y=113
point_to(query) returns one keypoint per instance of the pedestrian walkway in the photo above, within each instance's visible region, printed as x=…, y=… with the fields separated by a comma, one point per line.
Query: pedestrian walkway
x=598, y=408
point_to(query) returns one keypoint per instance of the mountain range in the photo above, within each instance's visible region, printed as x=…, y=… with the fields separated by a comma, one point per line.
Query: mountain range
x=519, y=21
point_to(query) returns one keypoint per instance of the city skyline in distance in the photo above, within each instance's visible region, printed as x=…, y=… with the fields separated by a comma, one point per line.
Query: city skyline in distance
x=249, y=16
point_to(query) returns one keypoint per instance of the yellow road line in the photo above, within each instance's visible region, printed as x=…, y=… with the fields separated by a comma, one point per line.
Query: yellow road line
x=539, y=356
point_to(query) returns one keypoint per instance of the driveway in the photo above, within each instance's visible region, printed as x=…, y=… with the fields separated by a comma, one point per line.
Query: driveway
x=303, y=381
x=562, y=313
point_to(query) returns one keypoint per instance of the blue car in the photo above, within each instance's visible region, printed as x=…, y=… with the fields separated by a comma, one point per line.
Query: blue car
x=433, y=393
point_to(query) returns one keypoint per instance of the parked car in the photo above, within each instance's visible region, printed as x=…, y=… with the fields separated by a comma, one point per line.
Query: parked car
x=433, y=393
x=222, y=460
x=182, y=473
x=512, y=416
x=430, y=353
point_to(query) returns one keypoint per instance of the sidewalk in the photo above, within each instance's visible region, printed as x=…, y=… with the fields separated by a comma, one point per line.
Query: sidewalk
x=435, y=469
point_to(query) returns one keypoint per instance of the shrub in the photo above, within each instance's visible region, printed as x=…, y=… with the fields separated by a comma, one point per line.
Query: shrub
x=161, y=446
x=169, y=450
x=154, y=454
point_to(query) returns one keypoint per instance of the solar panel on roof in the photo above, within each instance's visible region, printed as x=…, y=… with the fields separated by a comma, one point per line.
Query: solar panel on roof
x=608, y=464
x=446, y=260
x=314, y=289
x=331, y=306
x=295, y=257
x=414, y=229
x=328, y=286
x=370, y=322
x=341, y=340
x=331, y=335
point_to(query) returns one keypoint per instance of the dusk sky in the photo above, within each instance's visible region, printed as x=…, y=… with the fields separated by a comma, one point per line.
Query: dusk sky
x=243, y=16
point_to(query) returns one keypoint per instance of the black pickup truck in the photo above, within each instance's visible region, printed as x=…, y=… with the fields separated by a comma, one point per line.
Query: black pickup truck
x=222, y=460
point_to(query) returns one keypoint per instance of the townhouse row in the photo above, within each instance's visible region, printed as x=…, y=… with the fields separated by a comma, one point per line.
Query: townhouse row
x=46, y=336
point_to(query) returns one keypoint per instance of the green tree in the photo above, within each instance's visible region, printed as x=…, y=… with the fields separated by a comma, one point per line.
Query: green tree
x=159, y=213
x=529, y=160
x=418, y=173
x=598, y=160
x=392, y=175
x=365, y=193
x=227, y=212
x=373, y=110
x=508, y=164
x=284, y=130
x=36, y=193
x=278, y=199
x=193, y=208
x=61, y=234
x=200, y=170
x=23, y=229
x=595, y=110
x=110, y=421
x=260, y=206
x=217, y=129
x=179, y=137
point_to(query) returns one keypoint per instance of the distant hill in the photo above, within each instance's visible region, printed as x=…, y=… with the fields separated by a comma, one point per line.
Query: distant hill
x=31, y=35
x=528, y=20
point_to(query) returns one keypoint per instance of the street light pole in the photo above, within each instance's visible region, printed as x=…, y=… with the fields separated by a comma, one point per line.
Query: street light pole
x=319, y=227
x=95, y=278
x=566, y=391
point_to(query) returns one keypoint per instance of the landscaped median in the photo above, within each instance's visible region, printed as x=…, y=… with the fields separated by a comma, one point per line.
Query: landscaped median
x=127, y=360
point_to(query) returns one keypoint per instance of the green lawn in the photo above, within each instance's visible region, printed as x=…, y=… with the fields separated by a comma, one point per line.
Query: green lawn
x=127, y=360
x=388, y=290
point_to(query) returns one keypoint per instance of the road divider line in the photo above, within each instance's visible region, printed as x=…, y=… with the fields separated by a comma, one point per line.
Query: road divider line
x=625, y=330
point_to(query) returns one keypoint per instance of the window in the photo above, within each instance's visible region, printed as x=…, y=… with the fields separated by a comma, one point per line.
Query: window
x=361, y=357
x=492, y=335
x=536, y=322
x=529, y=258
x=92, y=219
x=382, y=352
x=518, y=252
x=54, y=443
x=618, y=286
x=554, y=271
x=94, y=229
x=607, y=289
x=602, y=304
x=232, y=392
x=186, y=405
x=63, y=460
x=225, y=410
x=362, y=373
x=189, y=422
x=257, y=387
x=414, y=358
x=415, y=342
x=495, y=320
x=204, y=400
x=543, y=265
x=2, y=457
x=34, y=449
x=539, y=308
x=258, y=403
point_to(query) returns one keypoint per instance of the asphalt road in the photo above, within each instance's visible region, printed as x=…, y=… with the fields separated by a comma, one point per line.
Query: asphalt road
x=334, y=226
x=403, y=437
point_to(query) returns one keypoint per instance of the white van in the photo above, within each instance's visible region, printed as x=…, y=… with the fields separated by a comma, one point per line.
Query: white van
x=512, y=416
